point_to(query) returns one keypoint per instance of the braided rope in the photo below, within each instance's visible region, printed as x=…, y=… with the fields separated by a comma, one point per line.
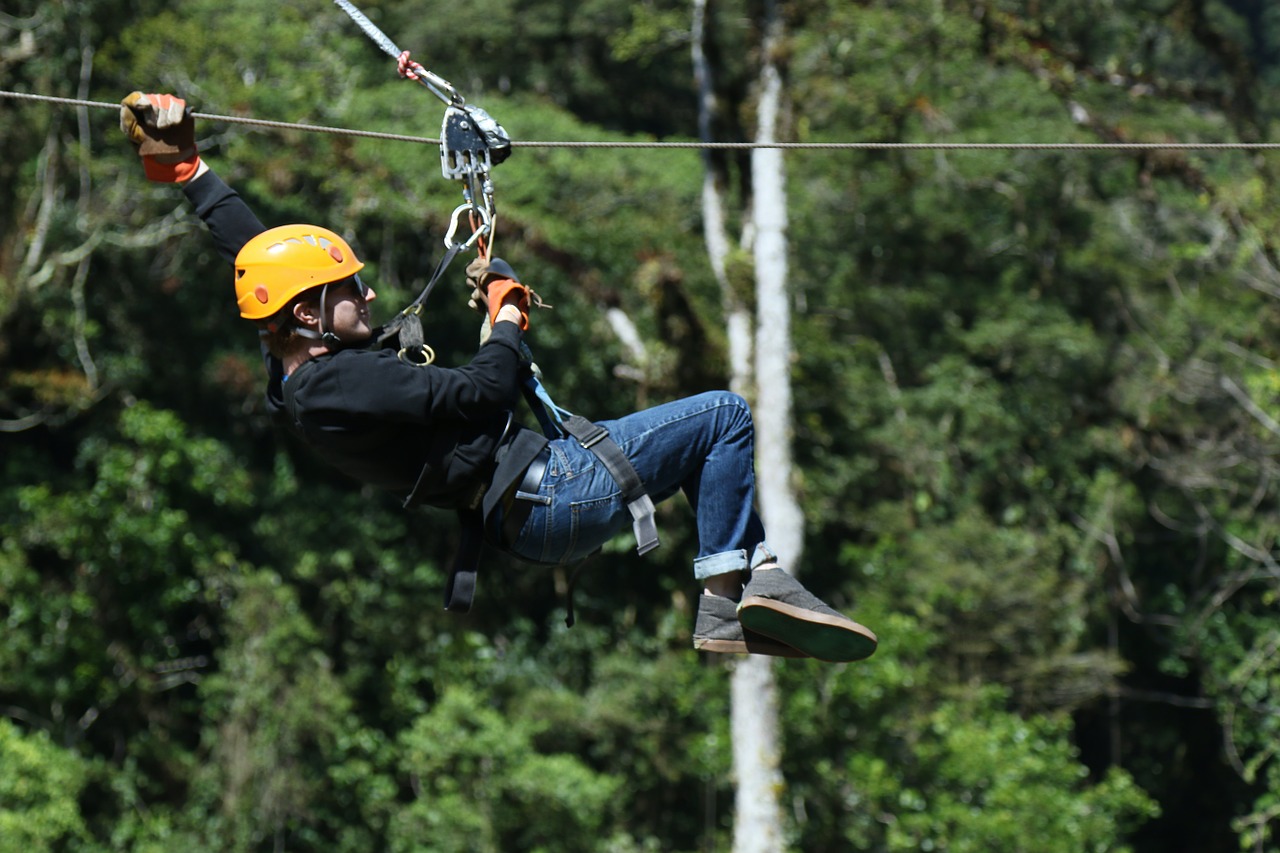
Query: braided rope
x=794, y=146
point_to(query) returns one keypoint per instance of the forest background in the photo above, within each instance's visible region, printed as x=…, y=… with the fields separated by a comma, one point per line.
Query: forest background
x=1036, y=433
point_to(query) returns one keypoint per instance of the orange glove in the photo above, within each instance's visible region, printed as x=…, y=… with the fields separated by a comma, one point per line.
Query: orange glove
x=505, y=291
x=163, y=131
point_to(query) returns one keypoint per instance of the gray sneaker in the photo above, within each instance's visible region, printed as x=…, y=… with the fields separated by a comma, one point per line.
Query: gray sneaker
x=718, y=630
x=776, y=605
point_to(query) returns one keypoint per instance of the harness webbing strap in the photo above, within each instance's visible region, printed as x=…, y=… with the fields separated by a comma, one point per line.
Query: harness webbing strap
x=596, y=439
x=556, y=421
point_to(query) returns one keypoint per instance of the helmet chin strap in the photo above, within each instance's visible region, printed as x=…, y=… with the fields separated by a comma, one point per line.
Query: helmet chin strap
x=326, y=336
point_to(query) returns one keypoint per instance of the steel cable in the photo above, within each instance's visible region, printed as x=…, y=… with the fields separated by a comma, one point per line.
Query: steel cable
x=800, y=146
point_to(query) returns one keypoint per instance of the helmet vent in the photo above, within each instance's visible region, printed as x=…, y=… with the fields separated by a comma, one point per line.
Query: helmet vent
x=306, y=240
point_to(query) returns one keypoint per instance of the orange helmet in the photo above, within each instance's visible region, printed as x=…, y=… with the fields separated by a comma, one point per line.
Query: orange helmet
x=280, y=263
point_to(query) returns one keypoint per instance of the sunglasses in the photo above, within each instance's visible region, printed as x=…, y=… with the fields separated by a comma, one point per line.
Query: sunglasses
x=362, y=289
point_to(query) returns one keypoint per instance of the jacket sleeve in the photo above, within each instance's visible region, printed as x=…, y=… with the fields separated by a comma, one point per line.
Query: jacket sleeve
x=232, y=224
x=491, y=381
x=489, y=384
x=228, y=218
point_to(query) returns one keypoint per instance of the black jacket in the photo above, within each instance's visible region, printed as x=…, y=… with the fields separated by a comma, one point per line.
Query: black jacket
x=438, y=434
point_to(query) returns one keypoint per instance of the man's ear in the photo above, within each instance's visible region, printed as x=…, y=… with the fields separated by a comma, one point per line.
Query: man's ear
x=307, y=313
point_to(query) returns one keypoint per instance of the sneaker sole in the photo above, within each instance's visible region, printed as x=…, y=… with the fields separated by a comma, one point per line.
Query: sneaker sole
x=762, y=646
x=830, y=638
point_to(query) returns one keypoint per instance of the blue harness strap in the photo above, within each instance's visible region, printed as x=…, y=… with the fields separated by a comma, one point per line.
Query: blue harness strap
x=550, y=416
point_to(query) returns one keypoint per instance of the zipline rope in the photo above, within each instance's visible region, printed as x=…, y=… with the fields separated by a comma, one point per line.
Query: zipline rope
x=803, y=146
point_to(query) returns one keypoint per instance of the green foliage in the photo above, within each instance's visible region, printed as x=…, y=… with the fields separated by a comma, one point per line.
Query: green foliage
x=996, y=781
x=1036, y=436
x=38, y=791
x=110, y=569
x=281, y=708
x=480, y=783
x=907, y=769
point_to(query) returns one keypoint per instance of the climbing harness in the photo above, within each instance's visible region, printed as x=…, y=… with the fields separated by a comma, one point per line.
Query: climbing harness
x=471, y=144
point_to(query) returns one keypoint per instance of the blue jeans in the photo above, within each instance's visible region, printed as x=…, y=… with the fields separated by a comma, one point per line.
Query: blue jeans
x=702, y=445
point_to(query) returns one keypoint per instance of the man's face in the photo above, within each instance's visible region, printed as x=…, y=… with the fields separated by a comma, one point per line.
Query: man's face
x=347, y=306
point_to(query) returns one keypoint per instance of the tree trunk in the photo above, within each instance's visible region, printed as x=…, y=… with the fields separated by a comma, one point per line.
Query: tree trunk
x=779, y=507
x=715, y=232
x=754, y=705
x=753, y=719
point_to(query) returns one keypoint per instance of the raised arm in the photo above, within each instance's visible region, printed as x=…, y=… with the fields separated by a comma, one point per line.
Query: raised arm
x=228, y=218
x=162, y=130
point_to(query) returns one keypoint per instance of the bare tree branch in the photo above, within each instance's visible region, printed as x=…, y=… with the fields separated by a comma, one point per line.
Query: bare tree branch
x=48, y=198
x=1242, y=397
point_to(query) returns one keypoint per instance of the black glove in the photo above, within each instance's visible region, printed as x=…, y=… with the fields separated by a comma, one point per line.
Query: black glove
x=498, y=268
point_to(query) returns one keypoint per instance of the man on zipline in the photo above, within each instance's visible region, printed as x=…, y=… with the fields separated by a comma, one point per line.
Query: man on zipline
x=446, y=437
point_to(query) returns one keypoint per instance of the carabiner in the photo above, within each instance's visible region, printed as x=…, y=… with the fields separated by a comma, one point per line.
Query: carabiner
x=486, y=223
x=439, y=87
x=410, y=69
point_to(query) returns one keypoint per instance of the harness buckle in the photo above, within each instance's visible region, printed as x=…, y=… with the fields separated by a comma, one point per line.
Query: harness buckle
x=592, y=437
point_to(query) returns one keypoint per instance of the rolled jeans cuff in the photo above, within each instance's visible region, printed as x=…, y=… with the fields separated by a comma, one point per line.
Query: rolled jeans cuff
x=720, y=564
x=763, y=554
x=731, y=561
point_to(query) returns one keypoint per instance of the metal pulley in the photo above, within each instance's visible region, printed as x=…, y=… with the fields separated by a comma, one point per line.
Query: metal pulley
x=471, y=143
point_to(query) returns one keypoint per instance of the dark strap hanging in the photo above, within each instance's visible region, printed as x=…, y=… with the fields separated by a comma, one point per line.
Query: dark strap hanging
x=461, y=588
x=406, y=327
